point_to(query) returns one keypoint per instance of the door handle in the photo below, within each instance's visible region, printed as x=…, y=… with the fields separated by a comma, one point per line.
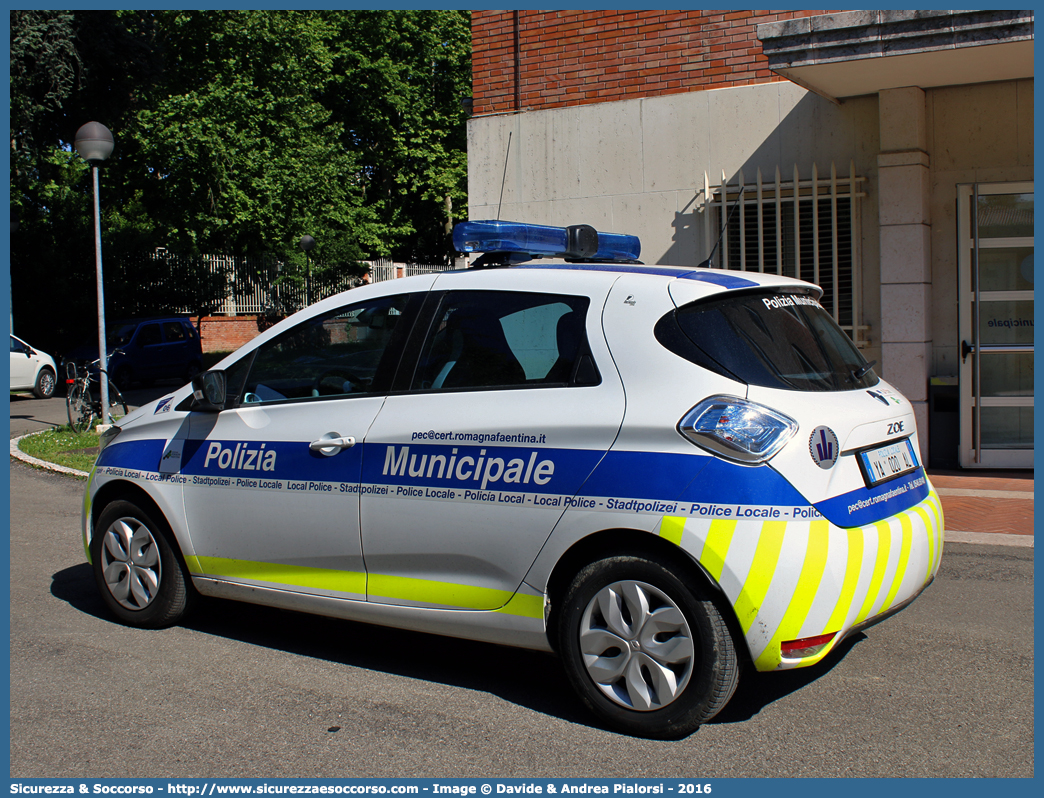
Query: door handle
x=331, y=443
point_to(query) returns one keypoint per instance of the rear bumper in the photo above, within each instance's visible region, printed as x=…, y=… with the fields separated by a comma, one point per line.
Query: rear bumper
x=792, y=580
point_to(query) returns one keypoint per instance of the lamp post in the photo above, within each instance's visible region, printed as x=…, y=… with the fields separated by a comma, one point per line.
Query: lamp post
x=307, y=243
x=94, y=144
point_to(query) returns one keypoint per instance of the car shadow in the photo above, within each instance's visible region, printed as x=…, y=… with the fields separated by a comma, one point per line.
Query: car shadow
x=758, y=690
x=531, y=679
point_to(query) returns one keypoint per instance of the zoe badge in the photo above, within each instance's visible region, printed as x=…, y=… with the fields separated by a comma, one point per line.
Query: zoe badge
x=823, y=447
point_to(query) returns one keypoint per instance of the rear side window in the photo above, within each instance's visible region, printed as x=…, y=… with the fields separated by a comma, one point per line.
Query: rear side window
x=774, y=340
x=506, y=339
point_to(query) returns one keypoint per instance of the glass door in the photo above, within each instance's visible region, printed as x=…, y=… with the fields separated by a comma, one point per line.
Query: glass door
x=995, y=311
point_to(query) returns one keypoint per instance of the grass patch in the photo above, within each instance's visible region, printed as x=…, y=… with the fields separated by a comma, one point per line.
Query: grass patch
x=63, y=447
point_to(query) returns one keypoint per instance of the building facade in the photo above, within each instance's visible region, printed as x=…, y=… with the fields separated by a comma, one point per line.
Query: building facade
x=885, y=155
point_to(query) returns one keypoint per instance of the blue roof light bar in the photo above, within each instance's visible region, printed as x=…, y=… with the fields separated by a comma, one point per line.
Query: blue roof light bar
x=578, y=242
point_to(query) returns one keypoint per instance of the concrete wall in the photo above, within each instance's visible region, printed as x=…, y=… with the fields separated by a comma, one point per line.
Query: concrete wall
x=636, y=166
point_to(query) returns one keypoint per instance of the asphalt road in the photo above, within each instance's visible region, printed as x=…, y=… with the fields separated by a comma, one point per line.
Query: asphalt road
x=945, y=688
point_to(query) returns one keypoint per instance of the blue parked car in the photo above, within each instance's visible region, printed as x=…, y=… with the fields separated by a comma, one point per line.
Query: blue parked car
x=152, y=349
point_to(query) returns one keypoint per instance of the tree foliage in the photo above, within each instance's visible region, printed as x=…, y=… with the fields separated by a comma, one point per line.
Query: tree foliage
x=237, y=132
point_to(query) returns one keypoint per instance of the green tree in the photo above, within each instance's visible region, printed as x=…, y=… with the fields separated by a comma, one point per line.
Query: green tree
x=236, y=133
x=400, y=80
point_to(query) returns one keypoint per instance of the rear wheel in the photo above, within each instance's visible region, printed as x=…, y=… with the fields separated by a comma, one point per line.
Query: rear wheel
x=140, y=577
x=645, y=649
x=78, y=406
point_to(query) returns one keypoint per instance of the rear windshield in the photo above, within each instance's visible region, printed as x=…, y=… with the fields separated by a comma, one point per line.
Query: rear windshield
x=775, y=340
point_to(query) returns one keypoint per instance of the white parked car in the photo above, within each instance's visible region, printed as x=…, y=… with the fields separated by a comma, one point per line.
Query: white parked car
x=32, y=370
x=655, y=472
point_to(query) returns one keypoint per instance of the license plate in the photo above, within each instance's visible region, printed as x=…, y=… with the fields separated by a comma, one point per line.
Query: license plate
x=889, y=461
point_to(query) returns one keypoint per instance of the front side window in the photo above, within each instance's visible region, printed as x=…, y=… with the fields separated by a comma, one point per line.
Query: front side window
x=775, y=340
x=149, y=335
x=349, y=351
x=506, y=339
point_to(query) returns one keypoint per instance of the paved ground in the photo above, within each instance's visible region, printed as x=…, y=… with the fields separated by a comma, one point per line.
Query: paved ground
x=990, y=502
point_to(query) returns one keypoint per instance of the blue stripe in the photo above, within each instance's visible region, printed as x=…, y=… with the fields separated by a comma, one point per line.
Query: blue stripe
x=505, y=468
x=865, y=506
x=140, y=455
x=697, y=477
x=289, y=460
x=616, y=268
x=723, y=279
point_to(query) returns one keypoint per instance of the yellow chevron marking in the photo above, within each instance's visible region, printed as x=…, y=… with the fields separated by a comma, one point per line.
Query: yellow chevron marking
x=848, y=587
x=904, y=559
x=931, y=533
x=883, y=545
x=766, y=558
x=671, y=528
x=801, y=602
x=716, y=549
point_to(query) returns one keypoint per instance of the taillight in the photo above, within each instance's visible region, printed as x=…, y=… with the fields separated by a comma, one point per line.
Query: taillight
x=737, y=429
x=806, y=646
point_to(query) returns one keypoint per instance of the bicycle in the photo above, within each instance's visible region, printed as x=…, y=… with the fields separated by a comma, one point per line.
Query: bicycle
x=80, y=403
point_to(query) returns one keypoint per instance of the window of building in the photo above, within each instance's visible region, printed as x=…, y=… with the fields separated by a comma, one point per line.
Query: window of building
x=802, y=227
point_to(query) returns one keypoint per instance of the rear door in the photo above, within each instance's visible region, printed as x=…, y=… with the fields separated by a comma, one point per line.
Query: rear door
x=467, y=469
x=147, y=350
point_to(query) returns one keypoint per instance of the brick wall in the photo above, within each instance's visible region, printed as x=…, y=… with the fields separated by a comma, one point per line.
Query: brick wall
x=226, y=333
x=580, y=57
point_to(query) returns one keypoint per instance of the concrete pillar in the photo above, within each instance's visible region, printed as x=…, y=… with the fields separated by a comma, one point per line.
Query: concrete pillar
x=903, y=200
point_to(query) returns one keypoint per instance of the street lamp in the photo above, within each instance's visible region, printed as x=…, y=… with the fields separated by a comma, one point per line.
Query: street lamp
x=94, y=144
x=307, y=243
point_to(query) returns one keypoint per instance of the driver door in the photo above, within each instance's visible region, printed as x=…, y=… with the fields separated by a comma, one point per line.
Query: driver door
x=267, y=503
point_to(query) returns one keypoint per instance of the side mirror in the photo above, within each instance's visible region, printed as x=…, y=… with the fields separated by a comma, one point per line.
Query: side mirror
x=208, y=390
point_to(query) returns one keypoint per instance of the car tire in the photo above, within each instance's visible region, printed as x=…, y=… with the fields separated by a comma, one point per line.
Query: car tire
x=142, y=579
x=645, y=647
x=45, y=383
x=124, y=376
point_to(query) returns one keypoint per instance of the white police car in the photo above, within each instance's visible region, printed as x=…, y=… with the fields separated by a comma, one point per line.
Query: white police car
x=656, y=472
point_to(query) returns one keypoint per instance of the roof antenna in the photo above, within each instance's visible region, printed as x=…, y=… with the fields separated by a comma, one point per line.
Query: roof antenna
x=504, y=180
x=708, y=262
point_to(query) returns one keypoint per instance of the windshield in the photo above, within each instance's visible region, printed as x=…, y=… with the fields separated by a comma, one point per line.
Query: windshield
x=121, y=336
x=775, y=340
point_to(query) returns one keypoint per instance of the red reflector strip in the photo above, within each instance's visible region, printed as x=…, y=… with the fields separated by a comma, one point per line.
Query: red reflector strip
x=806, y=646
x=69, y=382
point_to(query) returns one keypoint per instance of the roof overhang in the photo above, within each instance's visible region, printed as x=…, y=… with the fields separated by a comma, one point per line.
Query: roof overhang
x=864, y=52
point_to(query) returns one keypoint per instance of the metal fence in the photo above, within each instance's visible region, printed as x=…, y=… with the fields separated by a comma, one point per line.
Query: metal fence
x=160, y=282
x=802, y=227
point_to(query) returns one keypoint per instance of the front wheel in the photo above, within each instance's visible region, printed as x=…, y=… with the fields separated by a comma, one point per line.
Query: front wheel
x=140, y=577
x=79, y=407
x=645, y=648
